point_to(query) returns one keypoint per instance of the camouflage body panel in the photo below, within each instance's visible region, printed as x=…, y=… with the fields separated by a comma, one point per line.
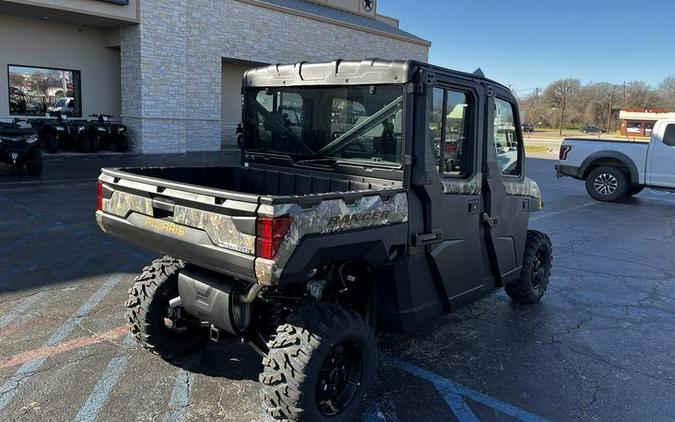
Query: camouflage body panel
x=220, y=228
x=329, y=216
x=527, y=187
x=122, y=203
x=471, y=186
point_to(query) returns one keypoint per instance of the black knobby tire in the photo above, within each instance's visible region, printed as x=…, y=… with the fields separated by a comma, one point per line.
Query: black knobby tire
x=635, y=189
x=300, y=358
x=607, y=184
x=92, y=143
x=122, y=144
x=51, y=144
x=147, y=308
x=534, y=276
x=34, y=162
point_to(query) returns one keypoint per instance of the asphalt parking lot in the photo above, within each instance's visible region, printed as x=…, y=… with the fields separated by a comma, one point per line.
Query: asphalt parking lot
x=601, y=345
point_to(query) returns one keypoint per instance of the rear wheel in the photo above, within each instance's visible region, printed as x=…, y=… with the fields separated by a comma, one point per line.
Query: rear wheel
x=320, y=364
x=122, y=144
x=166, y=331
x=607, y=184
x=34, y=162
x=533, y=281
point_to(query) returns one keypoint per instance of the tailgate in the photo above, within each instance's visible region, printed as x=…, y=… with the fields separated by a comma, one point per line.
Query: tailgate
x=210, y=228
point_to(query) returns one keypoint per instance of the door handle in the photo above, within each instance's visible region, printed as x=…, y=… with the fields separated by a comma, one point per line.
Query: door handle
x=490, y=221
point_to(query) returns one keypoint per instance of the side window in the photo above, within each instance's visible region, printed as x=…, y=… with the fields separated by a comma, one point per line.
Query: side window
x=506, y=138
x=456, y=119
x=448, y=132
x=436, y=125
x=669, y=135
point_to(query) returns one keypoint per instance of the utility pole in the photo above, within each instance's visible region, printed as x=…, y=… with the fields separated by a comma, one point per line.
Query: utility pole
x=624, y=95
x=562, y=106
x=609, y=110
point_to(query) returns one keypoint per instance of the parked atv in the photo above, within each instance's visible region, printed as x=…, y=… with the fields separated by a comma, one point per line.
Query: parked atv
x=345, y=218
x=84, y=135
x=106, y=133
x=19, y=147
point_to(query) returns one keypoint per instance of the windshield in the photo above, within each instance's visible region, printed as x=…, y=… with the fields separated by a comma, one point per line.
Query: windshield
x=342, y=123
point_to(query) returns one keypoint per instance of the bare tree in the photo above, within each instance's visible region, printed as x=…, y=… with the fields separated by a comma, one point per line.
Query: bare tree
x=666, y=92
x=559, y=94
x=640, y=95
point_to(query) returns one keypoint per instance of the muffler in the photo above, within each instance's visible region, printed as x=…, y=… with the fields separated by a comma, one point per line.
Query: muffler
x=217, y=299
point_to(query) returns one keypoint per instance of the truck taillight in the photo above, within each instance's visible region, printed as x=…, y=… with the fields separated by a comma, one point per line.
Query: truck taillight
x=99, y=196
x=564, y=150
x=271, y=232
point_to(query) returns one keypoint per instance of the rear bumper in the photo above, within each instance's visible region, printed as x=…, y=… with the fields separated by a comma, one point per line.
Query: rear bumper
x=572, y=171
x=190, y=248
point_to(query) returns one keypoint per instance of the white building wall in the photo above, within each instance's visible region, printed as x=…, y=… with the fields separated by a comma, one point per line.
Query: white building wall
x=41, y=43
x=182, y=44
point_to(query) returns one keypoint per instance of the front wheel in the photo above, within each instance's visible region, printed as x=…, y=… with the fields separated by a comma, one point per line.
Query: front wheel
x=34, y=162
x=607, y=184
x=533, y=281
x=165, y=331
x=51, y=143
x=320, y=364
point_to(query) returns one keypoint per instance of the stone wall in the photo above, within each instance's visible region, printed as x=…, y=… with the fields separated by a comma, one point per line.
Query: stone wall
x=172, y=100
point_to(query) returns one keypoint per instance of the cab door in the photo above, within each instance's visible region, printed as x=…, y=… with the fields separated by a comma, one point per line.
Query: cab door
x=661, y=168
x=506, y=189
x=455, y=201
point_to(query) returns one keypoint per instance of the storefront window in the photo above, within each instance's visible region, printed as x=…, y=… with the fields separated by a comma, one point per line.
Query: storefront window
x=39, y=91
x=633, y=127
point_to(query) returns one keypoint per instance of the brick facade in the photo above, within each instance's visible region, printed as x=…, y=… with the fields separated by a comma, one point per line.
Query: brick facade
x=172, y=63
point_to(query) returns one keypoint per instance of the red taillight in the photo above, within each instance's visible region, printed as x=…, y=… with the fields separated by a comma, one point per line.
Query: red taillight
x=271, y=232
x=99, y=196
x=564, y=150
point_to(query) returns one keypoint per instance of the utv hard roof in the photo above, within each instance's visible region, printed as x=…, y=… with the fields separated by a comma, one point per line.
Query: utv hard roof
x=347, y=72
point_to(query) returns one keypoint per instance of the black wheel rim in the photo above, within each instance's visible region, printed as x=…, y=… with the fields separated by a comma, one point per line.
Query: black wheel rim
x=538, y=272
x=339, y=378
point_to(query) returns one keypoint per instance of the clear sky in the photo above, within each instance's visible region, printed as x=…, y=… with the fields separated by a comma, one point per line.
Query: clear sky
x=529, y=44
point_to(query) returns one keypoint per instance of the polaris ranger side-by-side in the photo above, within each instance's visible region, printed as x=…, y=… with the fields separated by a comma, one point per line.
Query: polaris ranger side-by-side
x=372, y=195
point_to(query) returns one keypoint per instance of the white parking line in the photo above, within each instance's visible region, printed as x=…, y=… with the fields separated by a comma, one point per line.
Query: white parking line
x=552, y=213
x=28, y=369
x=94, y=404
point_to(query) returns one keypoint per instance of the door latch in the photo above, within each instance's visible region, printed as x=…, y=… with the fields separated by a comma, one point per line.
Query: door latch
x=427, y=238
x=490, y=221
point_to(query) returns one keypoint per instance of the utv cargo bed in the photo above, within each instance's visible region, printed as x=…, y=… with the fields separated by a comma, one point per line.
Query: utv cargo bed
x=207, y=215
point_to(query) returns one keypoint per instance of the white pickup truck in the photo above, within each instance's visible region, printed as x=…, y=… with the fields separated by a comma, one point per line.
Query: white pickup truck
x=614, y=169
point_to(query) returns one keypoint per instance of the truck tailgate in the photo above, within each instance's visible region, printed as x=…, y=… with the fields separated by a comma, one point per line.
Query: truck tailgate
x=210, y=228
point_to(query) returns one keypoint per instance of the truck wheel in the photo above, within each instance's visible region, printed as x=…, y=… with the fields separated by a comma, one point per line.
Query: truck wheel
x=151, y=320
x=607, y=184
x=635, y=189
x=34, y=162
x=320, y=364
x=531, y=285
